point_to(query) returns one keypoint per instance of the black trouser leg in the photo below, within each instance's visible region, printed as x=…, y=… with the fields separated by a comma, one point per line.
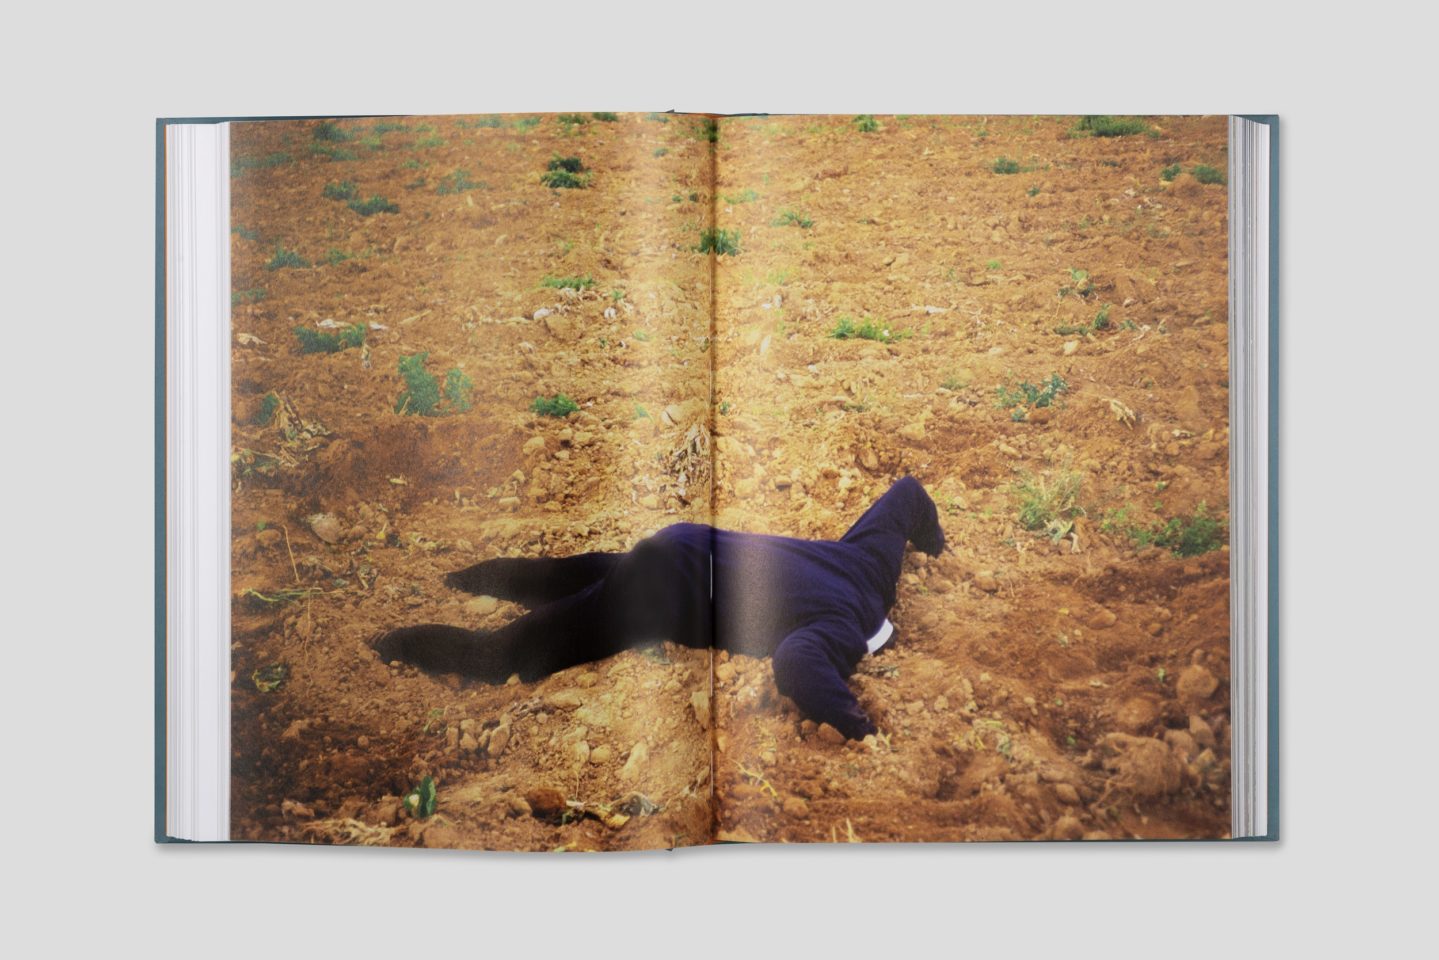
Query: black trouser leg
x=638, y=601
x=533, y=581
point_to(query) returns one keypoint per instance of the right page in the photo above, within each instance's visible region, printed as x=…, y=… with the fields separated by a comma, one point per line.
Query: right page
x=971, y=478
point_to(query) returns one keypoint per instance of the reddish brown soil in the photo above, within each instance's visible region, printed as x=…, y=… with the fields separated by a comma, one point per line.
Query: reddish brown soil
x=1034, y=689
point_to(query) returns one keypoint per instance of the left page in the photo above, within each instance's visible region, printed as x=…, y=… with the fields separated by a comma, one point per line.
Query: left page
x=471, y=372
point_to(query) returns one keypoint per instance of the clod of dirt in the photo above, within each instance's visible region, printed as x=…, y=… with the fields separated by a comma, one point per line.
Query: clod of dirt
x=326, y=527
x=1201, y=731
x=499, y=739
x=1196, y=684
x=700, y=700
x=481, y=606
x=438, y=836
x=1181, y=743
x=602, y=754
x=1143, y=767
x=1103, y=619
x=1066, y=794
x=546, y=803
x=566, y=699
x=1137, y=714
x=634, y=766
x=796, y=807
x=1068, y=828
x=829, y=734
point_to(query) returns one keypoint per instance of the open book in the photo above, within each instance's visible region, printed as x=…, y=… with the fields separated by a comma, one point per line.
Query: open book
x=596, y=481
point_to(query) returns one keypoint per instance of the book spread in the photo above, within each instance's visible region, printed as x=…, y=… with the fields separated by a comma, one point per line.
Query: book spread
x=620, y=481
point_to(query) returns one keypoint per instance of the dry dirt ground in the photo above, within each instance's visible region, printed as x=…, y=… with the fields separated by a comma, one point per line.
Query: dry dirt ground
x=1061, y=682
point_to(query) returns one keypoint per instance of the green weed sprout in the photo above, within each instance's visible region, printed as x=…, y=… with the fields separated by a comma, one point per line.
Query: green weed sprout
x=719, y=242
x=286, y=258
x=372, y=206
x=867, y=329
x=557, y=406
x=330, y=341
x=421, y=801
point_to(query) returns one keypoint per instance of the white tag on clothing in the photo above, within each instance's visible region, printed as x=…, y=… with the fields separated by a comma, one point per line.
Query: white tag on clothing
x=886, y=630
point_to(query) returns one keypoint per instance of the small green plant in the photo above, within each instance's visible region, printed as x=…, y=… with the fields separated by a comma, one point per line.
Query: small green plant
x=657, y=118
x=333, y=256
x=1100, y=322
x=866, y=123
x=286, y=258
x=557, y=406
x=330, y=132
x=269, y=406
x=572, y=119
x=1207, y=174
x=643, y=336
x=271, y=678
x=641, y=413
x=457, y=182
x=867, y=329
x=253, y=295
x=493, y=121
x=568, y=283
x=605, y=116
x=719, y=242
x=332, y=152
x=527, y=123
x=372, y=206
x=421, y=802
x=1050, y=502
x=1189, y=537
x=708, y=130
x=432, y=140
x=792, y=218
x=422, y=395
x=1079, y=284
x=567, y=164
x=1033, y=191
x=383, y=127
x=330, y=341
x=992, y=265
x=240, y=164
x=661, y=151
x=1004, y=165
x=344, y=190
x=745, y=196
x=564, y=180
x=1183, y=536
x=1170, y=172
x=1106, y=126
x=244, y=233
x=457, y=389
x=1027, y=396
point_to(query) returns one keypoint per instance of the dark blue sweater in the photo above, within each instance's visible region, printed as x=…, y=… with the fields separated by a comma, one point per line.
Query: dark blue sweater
x=810, y=604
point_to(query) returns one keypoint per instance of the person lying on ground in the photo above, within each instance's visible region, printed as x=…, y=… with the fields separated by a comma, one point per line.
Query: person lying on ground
x=816, y=607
